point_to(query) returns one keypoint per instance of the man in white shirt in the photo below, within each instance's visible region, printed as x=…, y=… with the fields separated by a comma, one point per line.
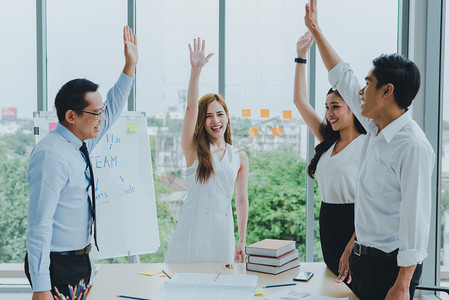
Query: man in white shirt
x=393, y=194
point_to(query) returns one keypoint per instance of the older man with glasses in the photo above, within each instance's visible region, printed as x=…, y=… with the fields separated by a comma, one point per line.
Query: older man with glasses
x=61, y=216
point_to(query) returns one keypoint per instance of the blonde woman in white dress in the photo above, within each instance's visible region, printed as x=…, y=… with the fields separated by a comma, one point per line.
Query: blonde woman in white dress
x=205, y=229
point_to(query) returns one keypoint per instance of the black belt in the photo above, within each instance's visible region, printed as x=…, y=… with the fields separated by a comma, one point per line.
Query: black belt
x=360, y=249
x=85, y=250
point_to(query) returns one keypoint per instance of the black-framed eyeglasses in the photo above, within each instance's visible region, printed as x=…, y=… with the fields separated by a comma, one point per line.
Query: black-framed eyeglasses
x=98, y=114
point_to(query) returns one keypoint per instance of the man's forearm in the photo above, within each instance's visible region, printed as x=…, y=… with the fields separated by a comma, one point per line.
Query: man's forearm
x=404, y=277
x=129, y=69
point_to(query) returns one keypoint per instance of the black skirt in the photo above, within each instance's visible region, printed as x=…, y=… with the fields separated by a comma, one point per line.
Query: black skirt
x=336, y=229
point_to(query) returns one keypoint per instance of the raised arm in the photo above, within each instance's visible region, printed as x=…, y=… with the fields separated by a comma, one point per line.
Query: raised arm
x=197, y=61
x=131, y=53
x=300, y=87
x=241, y=205
x=341, y=76
x=119, y=93
x=328, y=55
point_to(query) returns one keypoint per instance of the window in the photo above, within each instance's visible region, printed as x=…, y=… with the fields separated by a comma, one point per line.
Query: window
x=261, y=41
x=18, y=101
x=74, y=48
x=260, y=46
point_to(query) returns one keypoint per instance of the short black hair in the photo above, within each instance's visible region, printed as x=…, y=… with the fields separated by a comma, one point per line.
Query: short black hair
x=402, y=73
x=71, y=96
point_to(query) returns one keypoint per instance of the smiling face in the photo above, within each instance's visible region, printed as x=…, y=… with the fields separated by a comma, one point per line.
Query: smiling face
x=87, y=126
x=338, y=112
x=216, y=121
x=371, y=97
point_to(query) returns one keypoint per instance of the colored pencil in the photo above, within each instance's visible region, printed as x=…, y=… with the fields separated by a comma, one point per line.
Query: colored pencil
x=277, y=285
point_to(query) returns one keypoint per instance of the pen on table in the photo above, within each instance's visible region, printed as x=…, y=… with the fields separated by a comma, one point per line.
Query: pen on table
x=129, y=297
x=276, y=285
x=218, y=275
x=169, y=277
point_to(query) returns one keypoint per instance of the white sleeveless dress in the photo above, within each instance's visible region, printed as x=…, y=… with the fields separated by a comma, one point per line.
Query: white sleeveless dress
x=205, y=229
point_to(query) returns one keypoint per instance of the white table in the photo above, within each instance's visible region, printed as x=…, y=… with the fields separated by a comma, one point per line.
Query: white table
x=114, y=279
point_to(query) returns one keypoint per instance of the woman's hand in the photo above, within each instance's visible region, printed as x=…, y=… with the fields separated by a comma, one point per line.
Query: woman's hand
x=303, y=45
x=240, y=253
x=197, y=57
x=343, y=267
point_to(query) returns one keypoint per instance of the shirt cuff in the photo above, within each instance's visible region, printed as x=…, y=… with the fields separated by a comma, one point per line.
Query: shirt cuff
x=334, y=74
x=412, y=257
x=41, y=282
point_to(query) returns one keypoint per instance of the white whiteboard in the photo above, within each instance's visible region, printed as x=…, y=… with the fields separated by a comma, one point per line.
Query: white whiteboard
x=125, y=200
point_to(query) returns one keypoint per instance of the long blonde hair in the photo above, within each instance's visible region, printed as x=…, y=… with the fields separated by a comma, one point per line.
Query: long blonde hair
x=201, y=138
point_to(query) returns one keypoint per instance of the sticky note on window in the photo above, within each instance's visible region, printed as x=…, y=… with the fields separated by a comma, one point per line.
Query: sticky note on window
x=133, y=127
x=258, y=292
x=276, y=131
x=246, y=113
x=254, y=131
x=52, y=125
x=287, y=114
x=149, y=272
x=264, y=113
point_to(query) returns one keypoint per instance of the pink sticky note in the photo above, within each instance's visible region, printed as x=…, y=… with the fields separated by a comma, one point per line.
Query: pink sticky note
x=52, y=125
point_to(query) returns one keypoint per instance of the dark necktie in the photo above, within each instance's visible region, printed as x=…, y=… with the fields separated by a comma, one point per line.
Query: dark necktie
x=83, y=149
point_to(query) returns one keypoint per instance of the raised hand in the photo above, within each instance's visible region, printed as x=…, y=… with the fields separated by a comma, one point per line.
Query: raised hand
x=131, y=52
x=197, y=56
x=311, y=17
x=303, y=45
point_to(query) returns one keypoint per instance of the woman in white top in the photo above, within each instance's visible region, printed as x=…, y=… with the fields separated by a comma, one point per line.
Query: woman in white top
x=205, y=229
x=336, y=163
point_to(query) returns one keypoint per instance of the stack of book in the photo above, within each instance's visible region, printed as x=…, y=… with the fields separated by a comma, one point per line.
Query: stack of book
x=272, y=256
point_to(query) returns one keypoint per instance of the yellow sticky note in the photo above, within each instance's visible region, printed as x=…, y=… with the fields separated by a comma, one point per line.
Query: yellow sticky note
x=149, y=272
x=258, y=292
x=254, y=131
x=287, y=114
x=246, y=113
x=133, y=127
x=276, y=131
x=264, y=113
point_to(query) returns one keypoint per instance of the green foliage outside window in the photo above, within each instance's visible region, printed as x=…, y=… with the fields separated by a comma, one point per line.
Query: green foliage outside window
x=277, y=199
x=14, y=152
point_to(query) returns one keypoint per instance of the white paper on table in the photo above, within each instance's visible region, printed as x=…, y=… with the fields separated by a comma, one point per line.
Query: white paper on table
x=204, y=286
x=291, y=294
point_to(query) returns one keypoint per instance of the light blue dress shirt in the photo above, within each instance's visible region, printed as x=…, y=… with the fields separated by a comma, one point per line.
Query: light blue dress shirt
x=59, y=181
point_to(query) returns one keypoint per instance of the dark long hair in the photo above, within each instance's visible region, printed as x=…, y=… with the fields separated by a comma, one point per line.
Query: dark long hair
x=329, y=138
